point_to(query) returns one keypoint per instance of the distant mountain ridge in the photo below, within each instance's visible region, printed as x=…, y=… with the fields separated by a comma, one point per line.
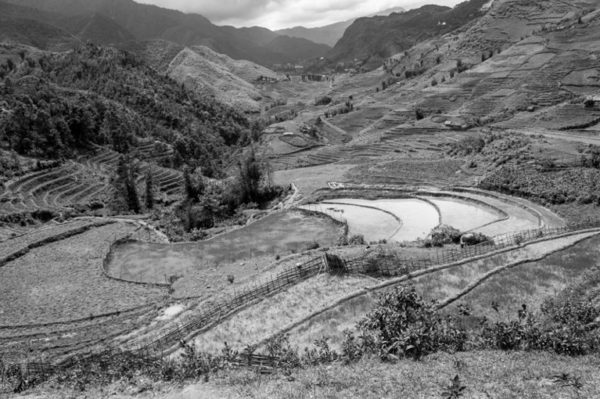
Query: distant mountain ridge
x=371, y=40
x=110, y=20
x=329, y=34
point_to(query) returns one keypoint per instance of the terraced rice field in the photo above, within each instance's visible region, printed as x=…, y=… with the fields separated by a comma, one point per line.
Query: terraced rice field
x=409, y=141
x=84, y=182
x=332, y=323
x=463, y=215
x=55, y=340
x=530, y=283
x=280, y=233
x=271, y=315
x=409, y=219
x=35, y=237
x=57, y=188
x=64, y=281
x=449, y=283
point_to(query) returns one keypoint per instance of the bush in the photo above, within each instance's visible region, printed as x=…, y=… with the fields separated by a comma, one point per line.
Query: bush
x=313, y=245
x=357, y=239
x=325, y=100
x=443, y=234
x=405, y=325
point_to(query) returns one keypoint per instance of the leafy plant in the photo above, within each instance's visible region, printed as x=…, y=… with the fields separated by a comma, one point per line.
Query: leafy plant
x=455, y=390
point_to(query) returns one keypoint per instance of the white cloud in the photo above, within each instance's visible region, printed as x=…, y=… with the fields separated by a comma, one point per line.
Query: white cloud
x=277, y=14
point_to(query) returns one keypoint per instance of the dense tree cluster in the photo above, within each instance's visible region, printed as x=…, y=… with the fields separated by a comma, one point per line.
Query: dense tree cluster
x=208, y=202
x=57, y=104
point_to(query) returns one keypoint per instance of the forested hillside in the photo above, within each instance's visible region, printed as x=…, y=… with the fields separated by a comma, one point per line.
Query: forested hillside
x=55, y=105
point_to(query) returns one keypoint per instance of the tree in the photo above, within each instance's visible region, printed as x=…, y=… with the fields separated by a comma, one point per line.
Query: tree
x=193, y=185
x=250, y=178
x=125, y=184
x=149, y=190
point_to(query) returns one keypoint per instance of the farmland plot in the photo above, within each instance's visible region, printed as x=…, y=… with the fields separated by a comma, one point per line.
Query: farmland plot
x=64, y=280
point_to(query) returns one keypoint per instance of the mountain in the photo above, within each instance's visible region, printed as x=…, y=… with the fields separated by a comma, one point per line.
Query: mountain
x=24, y=25
x=522, y=65
x=147, y=22
x=371, y=40
x=329, y=34
x=96, y=28
x=229, y=81
x=297, y=49
x=204, y=71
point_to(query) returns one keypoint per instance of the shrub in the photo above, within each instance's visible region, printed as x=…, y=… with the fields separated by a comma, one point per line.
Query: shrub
x=443, y=234
x=455, y=389
x=357, y=239
x=405, y=325
x=313, y=245
x=467, y=146
x=325, y=100
x=230, y=278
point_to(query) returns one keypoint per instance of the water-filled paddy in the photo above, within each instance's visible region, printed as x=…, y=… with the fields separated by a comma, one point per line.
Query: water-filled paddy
x=417, y=217
x=465, y=215
x=406, y=219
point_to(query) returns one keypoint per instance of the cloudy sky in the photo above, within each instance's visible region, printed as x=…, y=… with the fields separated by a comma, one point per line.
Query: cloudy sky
x=277, y=14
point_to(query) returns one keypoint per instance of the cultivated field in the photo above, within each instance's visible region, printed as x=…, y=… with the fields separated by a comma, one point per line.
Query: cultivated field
x=64, y=281
x=238, y=253
x=265, y=319
x=530, y=283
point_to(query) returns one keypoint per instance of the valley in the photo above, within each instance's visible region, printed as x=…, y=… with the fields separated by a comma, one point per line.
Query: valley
x=179, y=211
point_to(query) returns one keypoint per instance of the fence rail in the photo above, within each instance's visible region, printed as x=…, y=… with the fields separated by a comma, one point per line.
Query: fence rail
x=159, y=345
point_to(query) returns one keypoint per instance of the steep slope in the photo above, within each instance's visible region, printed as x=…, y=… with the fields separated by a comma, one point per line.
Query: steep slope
x=371, y=40
x=146, y=22
x=329, y=34
x=202, y=75
x=248, y=71
x=206, y=71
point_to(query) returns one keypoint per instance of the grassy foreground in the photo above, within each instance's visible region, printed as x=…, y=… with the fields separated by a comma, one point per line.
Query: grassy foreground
x=485, y=374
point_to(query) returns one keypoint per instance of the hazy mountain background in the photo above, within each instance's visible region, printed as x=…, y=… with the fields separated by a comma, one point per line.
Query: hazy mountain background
x=115, y=21
x=330, y=34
